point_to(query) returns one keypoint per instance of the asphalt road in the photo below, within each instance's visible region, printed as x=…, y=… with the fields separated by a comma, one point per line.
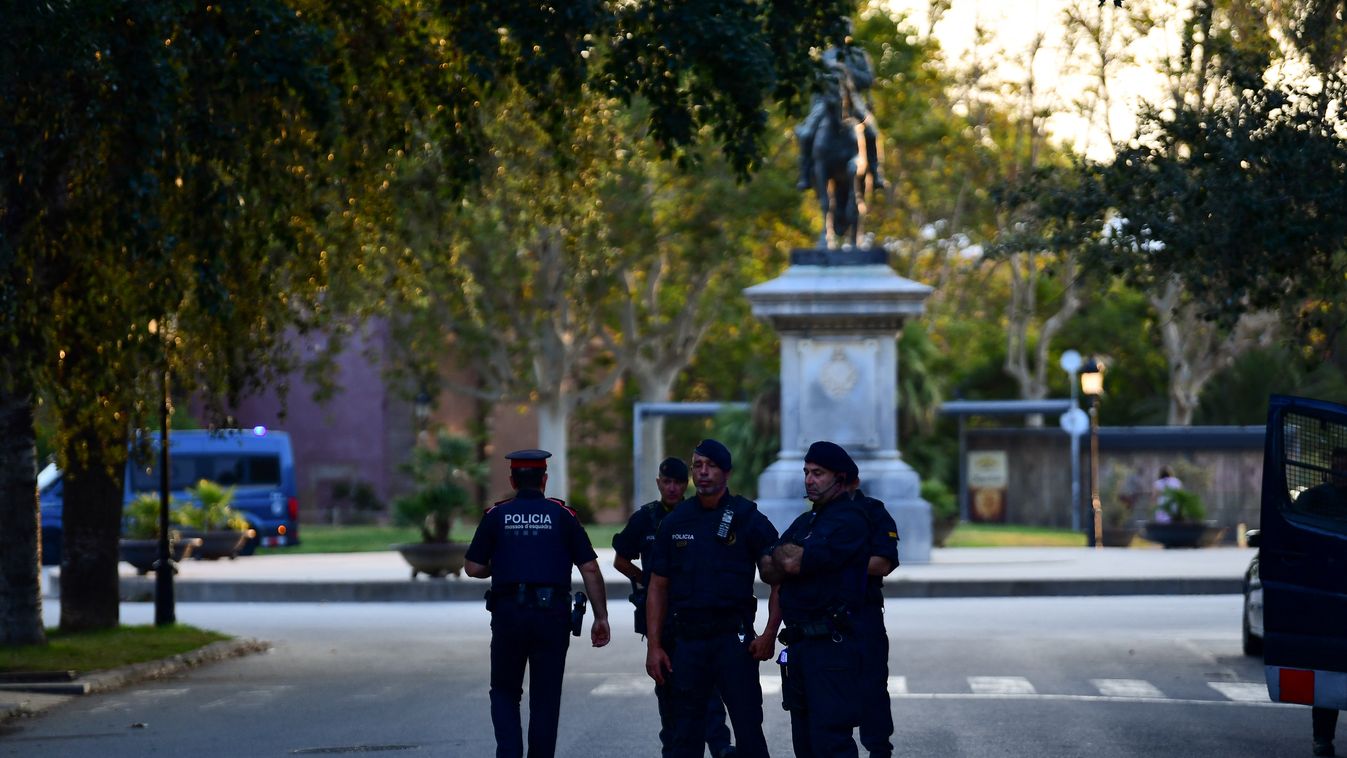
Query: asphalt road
x=1123, y=676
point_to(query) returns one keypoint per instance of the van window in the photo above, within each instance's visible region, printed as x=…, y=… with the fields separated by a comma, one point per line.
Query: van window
x=186, y=470
x=1315, y=464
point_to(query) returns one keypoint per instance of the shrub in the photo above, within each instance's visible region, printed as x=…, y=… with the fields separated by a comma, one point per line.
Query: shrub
x=1183, y=505
x=944, y=504
x=442, y=472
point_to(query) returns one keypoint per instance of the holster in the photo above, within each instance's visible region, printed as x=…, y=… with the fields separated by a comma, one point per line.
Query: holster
x=792, y=686
x=638, y=600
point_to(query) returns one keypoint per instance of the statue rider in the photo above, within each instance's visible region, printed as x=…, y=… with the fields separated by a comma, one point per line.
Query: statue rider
x=847, y=67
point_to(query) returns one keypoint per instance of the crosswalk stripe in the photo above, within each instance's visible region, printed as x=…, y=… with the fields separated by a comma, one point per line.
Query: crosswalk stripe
x=1000, y=685
x=897, y=685
x=1126, y=688
x=626, y=685
x=1243, y=692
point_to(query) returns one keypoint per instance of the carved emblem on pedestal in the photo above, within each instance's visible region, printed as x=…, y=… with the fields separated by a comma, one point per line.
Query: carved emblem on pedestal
x=838, y=377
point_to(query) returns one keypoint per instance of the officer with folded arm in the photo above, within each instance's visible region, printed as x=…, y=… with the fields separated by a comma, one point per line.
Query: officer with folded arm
x=821, y=563
x=700, y=607
x=526, y=545
x=876, y=709
x=633, y=543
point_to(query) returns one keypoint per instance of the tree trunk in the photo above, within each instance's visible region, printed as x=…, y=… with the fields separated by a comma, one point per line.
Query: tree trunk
x=656, y=387
x=90, y=595
x=20, y=525
x=553, y=415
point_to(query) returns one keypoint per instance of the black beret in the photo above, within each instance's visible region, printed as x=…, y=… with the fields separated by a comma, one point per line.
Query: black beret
x=674, y=468
x=718, y=453
x=831, y=456
x=528, y=458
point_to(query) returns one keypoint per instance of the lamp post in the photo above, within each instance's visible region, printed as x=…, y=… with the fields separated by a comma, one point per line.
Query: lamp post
x=1092, y=386
x=1071, y=363
x=164, y=611
x=421, y=408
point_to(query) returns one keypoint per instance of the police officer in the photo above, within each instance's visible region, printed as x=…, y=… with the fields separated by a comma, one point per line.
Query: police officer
x=527, y=545
x=876, y=711
x=700, y=607
x=634, y=543
x=821, y=563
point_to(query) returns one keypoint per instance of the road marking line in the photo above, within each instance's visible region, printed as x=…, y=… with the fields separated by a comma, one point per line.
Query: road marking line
x=626, y=685
x=897, y=685
x=1126, y=688
x=1089, y=699
x=1244, y=692
x=174, y=692
x=1000, y=685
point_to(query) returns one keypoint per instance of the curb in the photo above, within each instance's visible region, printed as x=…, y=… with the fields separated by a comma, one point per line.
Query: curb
x=38, y=696
x=139, y=589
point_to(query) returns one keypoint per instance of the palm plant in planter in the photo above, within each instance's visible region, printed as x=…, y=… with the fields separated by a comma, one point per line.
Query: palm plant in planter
x=1122, y=492
x=212, y=518
x=1187, y=526
x=443, y=471
x=139, y=545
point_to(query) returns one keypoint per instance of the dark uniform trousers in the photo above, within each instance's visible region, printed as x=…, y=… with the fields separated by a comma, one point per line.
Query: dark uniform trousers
x=876, y=713
x=717, y=734
x=819, y=690
x=700, y=666
x=525, y=635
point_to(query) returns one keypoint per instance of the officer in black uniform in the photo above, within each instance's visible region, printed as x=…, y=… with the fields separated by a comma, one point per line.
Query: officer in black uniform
x=821, y=563
x=527, y=545
x=634, y=543
x=700, y=607
x=876, y=710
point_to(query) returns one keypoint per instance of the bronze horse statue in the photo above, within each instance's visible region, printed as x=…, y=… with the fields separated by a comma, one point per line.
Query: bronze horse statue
x=838, y=181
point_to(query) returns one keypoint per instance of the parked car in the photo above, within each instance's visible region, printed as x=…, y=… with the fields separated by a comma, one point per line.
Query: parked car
x=1253, y=603
x=258, y=463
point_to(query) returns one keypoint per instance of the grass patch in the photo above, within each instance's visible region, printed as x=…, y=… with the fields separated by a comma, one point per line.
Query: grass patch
x=105, y=648
x=325, y=538
x=1012, y=535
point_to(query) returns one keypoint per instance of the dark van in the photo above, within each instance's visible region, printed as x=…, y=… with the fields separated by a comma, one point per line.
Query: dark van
x=258, y=463
x=1302, y=546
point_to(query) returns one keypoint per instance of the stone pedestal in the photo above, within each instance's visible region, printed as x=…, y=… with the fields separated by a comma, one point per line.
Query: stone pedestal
x=839, y=314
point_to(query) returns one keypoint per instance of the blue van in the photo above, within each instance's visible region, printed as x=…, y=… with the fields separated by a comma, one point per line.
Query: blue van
x=1302, y=552
x=258, y=463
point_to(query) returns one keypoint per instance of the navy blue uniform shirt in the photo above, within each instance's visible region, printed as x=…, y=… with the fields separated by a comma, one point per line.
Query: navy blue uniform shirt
x=530, y=539
x=704, y=570
x=883, y=543
x=637, y=538
x=837, y=539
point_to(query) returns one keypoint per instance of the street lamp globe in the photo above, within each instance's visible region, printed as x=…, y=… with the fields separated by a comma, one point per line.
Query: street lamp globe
x=1092, y=377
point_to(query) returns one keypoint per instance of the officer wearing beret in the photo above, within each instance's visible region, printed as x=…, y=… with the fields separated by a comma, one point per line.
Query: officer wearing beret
x=821, y=563
x=526, y=545
x=700, y=607
x=634, y=543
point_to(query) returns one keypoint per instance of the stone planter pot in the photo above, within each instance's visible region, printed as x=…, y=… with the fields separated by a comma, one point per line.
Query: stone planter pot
x=224, y=543
x=1183, y=534
x=143, y=553
x=434, y=559
x=1119, y=536
x=941, y=528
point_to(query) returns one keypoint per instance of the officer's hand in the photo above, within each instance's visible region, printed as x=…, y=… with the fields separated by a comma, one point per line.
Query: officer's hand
x=599, y=634
x=761, y=648
x=657, y=664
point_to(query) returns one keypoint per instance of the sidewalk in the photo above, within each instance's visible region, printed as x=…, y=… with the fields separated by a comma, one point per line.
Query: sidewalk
x=952, y=572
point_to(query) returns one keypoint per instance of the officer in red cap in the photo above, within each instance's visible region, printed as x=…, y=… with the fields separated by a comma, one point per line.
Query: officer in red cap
x=527, y=545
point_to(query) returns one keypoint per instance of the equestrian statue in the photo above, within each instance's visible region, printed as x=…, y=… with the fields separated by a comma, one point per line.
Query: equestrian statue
x=839, y=145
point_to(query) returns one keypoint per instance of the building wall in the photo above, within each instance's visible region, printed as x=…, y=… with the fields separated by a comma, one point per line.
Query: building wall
x=1039, y=461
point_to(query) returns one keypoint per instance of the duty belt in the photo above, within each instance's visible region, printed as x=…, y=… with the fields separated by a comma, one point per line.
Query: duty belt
x=812, y=630
x=702, y=626
x=527, y=594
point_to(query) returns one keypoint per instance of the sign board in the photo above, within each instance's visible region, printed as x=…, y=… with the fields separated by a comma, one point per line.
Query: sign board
x=988, y=481
x=1075, y=422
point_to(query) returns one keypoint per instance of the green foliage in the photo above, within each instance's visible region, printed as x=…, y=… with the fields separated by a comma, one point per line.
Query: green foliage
x=443, y=471
x=751, y=441
x=1182, y=505
x=944, y=503
x=141, y=519
x=211, y=509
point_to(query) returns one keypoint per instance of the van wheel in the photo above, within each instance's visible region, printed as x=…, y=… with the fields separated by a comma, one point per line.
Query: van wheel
x=1253, y=646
